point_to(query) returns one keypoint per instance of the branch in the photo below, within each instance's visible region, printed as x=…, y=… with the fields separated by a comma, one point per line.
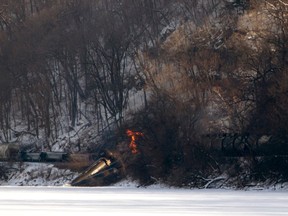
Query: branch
x=285, y=4
x=214, y=180
x=273, y=6
x=77, y=132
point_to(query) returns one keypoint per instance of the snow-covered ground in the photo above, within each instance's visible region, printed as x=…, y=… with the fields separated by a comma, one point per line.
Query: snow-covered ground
x=35, y=174
x=139, y=201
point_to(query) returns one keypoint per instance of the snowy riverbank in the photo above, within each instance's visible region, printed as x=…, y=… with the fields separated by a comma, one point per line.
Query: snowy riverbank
x=42, y=174
x=35, y=174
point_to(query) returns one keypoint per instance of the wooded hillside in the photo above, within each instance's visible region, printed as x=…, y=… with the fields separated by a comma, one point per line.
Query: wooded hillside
x=201, y=67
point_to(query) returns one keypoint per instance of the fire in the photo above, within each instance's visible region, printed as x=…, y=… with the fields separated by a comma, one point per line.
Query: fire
x=133, y=135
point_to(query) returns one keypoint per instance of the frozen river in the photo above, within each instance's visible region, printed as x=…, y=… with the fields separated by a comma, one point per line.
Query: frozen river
x=139, y=201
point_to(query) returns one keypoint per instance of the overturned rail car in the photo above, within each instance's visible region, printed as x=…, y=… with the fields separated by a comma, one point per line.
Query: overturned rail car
x=9, y=151
x=104, y=171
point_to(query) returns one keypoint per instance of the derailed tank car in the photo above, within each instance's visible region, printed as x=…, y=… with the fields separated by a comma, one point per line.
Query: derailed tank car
x=9, y=151
x=106, y=170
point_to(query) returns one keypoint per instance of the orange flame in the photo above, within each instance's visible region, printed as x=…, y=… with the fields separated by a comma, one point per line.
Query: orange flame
x=133, y=135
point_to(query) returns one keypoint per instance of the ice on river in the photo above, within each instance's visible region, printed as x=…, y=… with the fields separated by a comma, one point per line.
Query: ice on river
x=139, y=201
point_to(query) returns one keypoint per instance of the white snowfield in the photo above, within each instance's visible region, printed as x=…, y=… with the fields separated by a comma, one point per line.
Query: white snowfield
x=103, y=201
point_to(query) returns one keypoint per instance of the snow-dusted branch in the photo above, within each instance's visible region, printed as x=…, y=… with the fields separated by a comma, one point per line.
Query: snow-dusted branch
x=273, y=6
x=210, y=181
x=285, y=4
